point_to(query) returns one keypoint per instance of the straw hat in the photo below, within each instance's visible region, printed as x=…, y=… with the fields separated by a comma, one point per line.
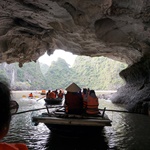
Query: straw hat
x=73, y=88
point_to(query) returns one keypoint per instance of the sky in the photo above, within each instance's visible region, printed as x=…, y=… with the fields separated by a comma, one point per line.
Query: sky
x=67, y=56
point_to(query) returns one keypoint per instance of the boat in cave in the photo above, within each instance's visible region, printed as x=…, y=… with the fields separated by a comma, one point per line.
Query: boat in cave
x=53, y=101
x=71, y=124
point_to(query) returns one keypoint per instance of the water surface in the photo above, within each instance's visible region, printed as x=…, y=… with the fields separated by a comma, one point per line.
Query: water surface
x=128, y=131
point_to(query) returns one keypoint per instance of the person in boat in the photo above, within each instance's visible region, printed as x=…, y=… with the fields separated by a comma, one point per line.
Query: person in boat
x=52, y=95
x=73, y=100
x=56, y=93
x=30, y=95
x=7, y=107
x=47, y=94
x=60, y=94
x=84, y=96
x=92, y=103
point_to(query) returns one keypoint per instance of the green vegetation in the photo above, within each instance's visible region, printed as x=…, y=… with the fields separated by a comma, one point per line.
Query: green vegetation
x=98, y=73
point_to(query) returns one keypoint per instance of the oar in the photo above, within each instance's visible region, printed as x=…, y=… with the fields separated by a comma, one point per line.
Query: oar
x=22, y=112
x=28, y=111
x=123, y=111
x=40, y=98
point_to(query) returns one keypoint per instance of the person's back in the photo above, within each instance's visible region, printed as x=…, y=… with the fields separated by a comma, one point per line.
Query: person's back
x=92, y=103
x=74, y=103
x=60, y=94
x=73, y=99
x=47, y=94
x=84, y=96
x=30, y=95
x=52, y=95
x=6, y=107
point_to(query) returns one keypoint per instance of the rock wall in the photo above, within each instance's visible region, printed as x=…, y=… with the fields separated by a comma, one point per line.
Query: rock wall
x=137, y=87
x=116, y=29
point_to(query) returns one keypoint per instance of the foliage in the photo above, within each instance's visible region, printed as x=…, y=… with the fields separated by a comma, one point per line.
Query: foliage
x=98, y=73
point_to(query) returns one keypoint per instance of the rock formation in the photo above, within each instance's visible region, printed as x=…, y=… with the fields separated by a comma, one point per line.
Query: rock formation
x=110, y=28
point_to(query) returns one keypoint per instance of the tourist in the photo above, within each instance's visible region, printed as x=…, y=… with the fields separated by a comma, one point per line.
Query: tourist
x=92, y=103
x=56, y=93
x=60, y=94
x=6, y=107
x=30, y=95
x=52, y=95
x=84, y=96
x=73, y=100
x=47, y=94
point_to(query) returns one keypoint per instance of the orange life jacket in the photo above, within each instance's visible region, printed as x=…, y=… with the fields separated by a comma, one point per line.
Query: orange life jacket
x=13, y=146
x=30, y=95
x=92, y=105
x=51, y=95
x=60, y=95
x=84, y=96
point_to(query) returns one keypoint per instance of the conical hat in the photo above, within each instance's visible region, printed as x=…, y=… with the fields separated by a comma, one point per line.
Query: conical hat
x=73, y=88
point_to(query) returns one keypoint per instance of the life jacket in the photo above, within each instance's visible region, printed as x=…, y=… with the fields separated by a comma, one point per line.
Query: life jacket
x=13, y=146
x=56, y=93
x=84, y=96
x=60, y=95
x=47, y=95
x=74, y=103
x=51, y=95
x=92, y=105
x=30, y=95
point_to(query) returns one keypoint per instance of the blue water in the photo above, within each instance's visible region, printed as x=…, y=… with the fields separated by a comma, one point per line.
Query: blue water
x=128, y=131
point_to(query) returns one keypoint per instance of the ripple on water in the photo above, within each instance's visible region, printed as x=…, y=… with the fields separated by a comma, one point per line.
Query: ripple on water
x=128, y=132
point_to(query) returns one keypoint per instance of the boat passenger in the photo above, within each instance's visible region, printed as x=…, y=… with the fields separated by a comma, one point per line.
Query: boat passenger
x=60, y=94
x=47, y=94
x=84, y=96
x=92, y=103
x=56, y=93
x=6, y=107
x=73, y=100
x=52, y=95
x=30, y=95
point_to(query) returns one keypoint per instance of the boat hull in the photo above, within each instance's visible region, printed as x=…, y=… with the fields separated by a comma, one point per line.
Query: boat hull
x=51, y=101
x=73, y=124
x=43, y=93
x=74, y=130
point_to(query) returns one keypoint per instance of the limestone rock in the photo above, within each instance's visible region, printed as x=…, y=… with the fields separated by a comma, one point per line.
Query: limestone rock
x=111, y=28
x=118, y=29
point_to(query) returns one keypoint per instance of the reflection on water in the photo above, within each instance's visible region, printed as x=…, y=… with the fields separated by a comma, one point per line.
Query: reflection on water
x=76, y=143
x=128, y=131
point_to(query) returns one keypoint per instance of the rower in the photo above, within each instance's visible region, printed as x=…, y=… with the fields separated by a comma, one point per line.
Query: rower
x=73, y=100
x=30, y=95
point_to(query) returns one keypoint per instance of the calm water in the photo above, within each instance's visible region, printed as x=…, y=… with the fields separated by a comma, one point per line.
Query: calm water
x=128, y=131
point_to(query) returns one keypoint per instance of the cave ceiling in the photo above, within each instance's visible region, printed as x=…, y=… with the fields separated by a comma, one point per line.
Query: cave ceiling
x=118, y=29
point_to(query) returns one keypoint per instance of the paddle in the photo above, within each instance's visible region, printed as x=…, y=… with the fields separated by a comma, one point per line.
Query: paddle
x=31, y=110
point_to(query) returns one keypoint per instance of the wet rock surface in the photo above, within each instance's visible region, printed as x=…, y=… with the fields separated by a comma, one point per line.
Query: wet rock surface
x=136, y=91
x=111, y=28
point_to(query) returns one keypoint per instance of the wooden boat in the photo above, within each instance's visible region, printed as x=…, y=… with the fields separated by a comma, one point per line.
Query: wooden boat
x=52, y=101
x=60, y=122
x=43, y=92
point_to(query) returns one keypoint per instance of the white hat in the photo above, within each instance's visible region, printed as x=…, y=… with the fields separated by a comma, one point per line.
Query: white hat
x=73, y=88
